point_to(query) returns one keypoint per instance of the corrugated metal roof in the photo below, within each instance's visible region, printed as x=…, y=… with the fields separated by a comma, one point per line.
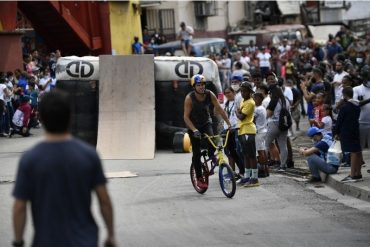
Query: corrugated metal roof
x=288, y=7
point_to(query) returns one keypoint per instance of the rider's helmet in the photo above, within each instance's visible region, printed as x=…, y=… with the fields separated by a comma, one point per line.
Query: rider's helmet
x=196, y=79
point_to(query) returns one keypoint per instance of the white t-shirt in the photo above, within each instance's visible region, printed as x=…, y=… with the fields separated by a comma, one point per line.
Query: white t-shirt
x=264, y=59
x=288, y=93
x=338, y=87
x=260, y=119
x=266, y=101
x=44, y=80
x=186, y=34
x=283, y=49
x=364, y=92
x=238, y=99
x=2, y=94
x=328, y=124
x=230, y=111
x=18, y=118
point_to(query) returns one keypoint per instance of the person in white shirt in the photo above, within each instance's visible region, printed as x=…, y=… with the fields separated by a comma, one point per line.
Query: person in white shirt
x=326, y=122
x=264, y=60
x=46, y=82
x=231, y=149
x=185, y=34
x=362, y=94
x=337, y=81
x=4, y=93
x=239, y=58
x=284, y=47
x=261, y=126
x=238, y=70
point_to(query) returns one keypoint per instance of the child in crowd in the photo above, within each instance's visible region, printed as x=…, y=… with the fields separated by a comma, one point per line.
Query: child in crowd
x=247, y=134
x=231, y=147
x=261, y=122
x=326, y=122
x=318, y=109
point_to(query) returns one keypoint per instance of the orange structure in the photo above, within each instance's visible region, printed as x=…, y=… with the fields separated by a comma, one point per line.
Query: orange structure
x=80, y=28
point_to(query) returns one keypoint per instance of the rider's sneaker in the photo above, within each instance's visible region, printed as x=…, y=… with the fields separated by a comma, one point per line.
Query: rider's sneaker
x=253, y=182
x=201, y=184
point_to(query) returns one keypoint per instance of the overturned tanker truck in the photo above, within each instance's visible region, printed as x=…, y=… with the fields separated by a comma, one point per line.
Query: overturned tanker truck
x=80, y=77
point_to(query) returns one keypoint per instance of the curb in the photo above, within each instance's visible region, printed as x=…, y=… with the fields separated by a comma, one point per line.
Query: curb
x=348, y=189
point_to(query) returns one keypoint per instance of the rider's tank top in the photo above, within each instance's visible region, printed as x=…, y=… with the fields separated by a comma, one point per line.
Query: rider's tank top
x=200, y=113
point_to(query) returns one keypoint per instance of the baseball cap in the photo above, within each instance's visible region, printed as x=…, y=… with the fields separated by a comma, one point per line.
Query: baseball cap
x=313, y=131
x=237, y=78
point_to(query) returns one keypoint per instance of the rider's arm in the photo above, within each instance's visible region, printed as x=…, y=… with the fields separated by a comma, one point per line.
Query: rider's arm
x=219, y=109
x=187, y=110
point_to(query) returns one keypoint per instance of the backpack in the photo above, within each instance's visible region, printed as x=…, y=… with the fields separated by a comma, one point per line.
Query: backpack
x=285, y=119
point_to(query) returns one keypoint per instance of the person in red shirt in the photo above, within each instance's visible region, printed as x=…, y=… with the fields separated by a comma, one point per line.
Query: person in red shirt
x=22, y=118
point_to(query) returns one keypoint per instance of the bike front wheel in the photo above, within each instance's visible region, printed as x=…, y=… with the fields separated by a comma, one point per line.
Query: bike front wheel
x=193, y=177
x=227, y=180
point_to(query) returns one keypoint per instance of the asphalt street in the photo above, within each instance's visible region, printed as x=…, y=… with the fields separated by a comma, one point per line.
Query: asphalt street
x=159, y=207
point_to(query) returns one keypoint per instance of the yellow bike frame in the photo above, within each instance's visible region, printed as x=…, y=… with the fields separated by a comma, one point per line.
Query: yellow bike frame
x=220, y=154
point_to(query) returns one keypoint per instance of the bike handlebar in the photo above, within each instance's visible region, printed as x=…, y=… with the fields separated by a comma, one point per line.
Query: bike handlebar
x=215, y=136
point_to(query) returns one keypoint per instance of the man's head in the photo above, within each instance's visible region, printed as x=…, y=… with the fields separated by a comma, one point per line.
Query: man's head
x=315, y=133
x=136, y=39
x=365, y=74
x=258, y=98
x=317, y=74
x=339, y=66
x=236, y=80
x=257, y=78
x=183, y=25
x=246, y=90
x=198, y=82
x=55, y=112
x=271, y=78
x=347, y=93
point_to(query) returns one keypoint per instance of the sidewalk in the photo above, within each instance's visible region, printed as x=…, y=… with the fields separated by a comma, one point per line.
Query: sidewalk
x=360, y=190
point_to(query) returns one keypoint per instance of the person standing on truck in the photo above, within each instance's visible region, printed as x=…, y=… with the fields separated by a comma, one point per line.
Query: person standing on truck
x=185, y=34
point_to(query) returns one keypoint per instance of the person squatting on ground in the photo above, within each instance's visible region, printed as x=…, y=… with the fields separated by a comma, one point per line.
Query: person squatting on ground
x=247, y=134
x=316, y=155
x=56, y=177
x=197, y=116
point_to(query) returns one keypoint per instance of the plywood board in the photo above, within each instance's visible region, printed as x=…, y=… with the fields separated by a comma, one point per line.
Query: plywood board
x=126, y=128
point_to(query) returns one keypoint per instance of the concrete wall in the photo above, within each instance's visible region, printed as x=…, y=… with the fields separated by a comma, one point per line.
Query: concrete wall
x=126, y=128
x=125, y=24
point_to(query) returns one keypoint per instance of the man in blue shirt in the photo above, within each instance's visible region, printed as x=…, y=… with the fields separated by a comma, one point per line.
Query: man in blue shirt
x=316, y=155
x=137, y=47
x=57, y=177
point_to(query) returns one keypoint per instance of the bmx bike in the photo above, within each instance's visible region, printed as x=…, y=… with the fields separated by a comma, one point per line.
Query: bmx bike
x=225, y=173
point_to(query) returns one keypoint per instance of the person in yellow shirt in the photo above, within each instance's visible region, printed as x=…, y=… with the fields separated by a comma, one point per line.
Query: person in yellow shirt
x=246, y=135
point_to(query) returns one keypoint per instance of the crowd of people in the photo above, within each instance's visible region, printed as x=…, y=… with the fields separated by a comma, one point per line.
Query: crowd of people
x=21, y=90
x=329, y=84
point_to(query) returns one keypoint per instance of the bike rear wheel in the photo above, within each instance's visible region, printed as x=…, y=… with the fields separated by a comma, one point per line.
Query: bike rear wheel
x=193, y=177
x=227, y=180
